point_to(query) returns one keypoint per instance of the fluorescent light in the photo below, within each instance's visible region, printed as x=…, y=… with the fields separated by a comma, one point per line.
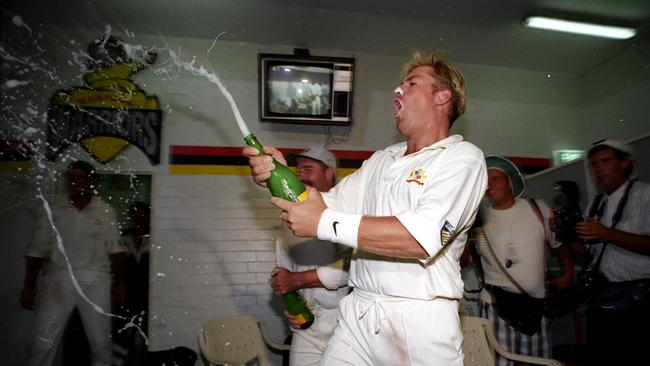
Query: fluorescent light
x=560, y=25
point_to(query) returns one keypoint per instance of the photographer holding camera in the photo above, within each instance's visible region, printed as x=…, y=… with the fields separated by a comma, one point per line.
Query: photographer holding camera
x=566, y=211
x=616, y=233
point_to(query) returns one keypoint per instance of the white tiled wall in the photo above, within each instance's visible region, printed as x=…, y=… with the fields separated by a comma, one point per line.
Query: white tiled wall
x=214, y=249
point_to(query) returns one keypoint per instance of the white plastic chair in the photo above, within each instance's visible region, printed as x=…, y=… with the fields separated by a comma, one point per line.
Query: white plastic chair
x=236, y=340
x=480, y=341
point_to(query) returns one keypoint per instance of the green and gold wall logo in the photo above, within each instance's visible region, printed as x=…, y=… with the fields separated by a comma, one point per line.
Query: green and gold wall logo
x=110, y=111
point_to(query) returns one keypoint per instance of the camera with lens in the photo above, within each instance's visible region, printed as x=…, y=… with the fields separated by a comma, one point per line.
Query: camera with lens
x=567, y=210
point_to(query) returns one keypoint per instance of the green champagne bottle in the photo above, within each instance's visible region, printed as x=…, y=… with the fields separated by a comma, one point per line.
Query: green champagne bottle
x=296, y=306
x=284, y=184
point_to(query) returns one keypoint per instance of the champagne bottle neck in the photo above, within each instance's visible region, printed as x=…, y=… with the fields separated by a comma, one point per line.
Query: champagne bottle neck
x=251, y=140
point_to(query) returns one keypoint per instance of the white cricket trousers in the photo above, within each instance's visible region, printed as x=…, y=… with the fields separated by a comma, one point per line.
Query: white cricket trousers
x=55, y=300
x=386, y=330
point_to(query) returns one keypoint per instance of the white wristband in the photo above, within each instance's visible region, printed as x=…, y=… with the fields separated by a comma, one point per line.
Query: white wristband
x=339, y=227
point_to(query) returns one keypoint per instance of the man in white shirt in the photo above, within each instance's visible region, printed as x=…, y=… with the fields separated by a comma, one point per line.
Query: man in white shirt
x=406, y=212
x=317, y=269
x=511, y=244
x=89, y=237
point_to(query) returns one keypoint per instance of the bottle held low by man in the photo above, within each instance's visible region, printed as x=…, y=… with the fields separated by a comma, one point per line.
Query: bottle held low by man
x=284, y=184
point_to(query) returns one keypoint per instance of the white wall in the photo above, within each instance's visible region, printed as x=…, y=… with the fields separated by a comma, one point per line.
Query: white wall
x=215, y=247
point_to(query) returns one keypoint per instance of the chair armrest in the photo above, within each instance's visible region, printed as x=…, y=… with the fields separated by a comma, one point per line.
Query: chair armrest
x=268, y=340
x=494, y=343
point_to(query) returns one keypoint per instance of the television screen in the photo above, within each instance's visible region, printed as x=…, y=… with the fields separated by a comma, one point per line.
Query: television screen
x=306, y=89
x=300, y=89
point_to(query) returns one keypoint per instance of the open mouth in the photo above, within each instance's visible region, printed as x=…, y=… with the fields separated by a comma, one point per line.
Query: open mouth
x=397, y=104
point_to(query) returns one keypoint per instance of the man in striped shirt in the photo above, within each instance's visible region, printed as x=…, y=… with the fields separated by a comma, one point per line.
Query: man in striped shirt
x=617, y=235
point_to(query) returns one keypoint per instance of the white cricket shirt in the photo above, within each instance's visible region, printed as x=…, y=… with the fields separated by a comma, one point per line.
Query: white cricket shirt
x=518, y=239
x=435, y=194
x=89, y=236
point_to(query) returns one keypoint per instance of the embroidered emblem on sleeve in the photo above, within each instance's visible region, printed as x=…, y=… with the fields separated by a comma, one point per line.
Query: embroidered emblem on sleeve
x=446, y=232
x=417, y=176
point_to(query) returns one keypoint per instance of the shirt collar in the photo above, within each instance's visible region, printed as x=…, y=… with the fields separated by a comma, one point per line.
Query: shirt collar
x=618, y=193
x=398, y=150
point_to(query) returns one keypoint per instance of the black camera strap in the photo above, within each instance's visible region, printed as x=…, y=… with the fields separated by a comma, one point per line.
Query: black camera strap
x=598, y=208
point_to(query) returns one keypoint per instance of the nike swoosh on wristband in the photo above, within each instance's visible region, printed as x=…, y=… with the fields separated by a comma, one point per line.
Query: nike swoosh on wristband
x=334, y=227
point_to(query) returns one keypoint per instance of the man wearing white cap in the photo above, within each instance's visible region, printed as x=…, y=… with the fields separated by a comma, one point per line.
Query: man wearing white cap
x=617, y=235
x=511, y=244
x=318, y=269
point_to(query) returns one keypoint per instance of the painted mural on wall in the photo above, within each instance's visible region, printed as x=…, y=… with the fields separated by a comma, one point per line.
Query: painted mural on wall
x=109, y=111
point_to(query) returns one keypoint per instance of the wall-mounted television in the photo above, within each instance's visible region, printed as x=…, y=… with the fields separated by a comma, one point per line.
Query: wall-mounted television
x=306, y=89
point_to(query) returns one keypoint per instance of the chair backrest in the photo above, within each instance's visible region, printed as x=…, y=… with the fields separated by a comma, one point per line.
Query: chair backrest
x=475, y=343
x=232, y=340
x=480, y=342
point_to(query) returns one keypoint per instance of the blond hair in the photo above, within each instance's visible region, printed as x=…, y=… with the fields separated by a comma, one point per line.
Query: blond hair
x=447, y=74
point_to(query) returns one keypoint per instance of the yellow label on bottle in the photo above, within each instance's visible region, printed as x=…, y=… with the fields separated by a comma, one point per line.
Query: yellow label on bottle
x=303, y=196
x=300, y=319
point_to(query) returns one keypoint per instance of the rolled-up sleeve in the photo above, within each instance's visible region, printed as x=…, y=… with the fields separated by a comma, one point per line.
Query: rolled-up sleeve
x=334, y=275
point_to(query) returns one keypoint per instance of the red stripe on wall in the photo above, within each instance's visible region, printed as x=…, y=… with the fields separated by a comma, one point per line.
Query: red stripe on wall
x=530, y=165
x=531, y=162
x=526, y=164
x=237, y=151
x=204, y=150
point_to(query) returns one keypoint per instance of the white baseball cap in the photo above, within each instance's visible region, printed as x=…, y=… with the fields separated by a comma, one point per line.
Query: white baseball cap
x=317, y=153
x=614, y=144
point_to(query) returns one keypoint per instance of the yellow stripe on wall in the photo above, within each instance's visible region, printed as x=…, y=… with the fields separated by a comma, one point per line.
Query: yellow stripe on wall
x=342, y=172
x=16, y=166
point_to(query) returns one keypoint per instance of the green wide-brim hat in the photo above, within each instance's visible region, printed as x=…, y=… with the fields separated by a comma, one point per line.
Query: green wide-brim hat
x=517, y=181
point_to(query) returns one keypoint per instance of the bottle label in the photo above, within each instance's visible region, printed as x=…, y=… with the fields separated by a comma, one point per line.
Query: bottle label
x=300, y=319
x=303, y=196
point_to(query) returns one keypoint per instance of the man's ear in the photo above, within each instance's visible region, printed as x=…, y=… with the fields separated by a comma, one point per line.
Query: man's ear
x=330, y=174
x=443, y=96
x=627, y=162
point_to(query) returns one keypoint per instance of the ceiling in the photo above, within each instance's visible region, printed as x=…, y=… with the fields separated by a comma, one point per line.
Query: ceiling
x=473, y=31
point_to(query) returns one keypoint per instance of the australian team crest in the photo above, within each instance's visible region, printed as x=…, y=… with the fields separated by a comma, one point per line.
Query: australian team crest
x=446, y=232
x=417, y=176
x=110, y=111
